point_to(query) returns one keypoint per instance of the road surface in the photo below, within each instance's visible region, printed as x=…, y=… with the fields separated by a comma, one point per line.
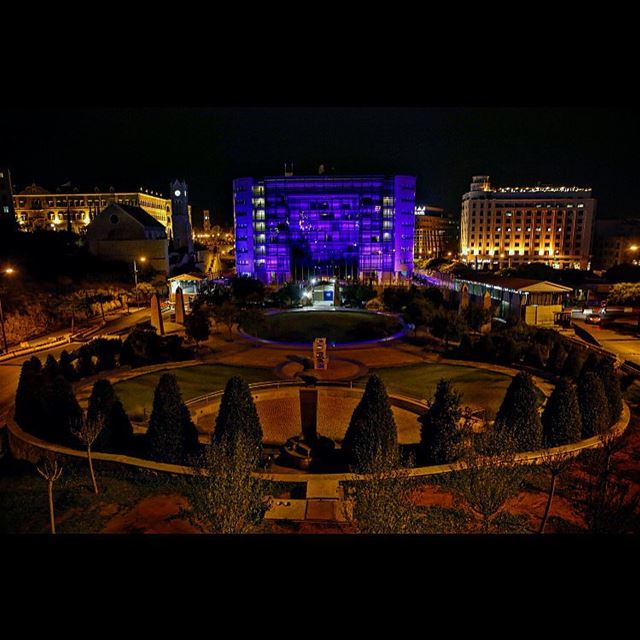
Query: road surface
x=10, y=369
x=621, y=339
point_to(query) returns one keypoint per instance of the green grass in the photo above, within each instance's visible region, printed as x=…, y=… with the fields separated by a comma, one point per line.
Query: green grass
x=479, y=388
x=335, y=326
x=136, y=394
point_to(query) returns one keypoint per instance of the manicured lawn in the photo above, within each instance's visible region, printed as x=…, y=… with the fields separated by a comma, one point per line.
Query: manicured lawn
x=335, y=326
x=479, y=388
x=137, y=394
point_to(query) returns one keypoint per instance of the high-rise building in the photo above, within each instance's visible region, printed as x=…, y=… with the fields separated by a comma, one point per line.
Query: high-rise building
x=436, y=235
x=297, y=227
x=616, y=242
x=181, y=217
x=505, y=226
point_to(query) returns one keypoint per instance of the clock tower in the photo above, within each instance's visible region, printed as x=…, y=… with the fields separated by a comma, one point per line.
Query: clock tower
x=180, y=219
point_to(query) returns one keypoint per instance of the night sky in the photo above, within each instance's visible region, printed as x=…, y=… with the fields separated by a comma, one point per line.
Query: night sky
x=443, y=147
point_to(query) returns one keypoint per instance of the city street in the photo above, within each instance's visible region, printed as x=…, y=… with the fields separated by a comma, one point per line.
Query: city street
x=10, y=370
x=621, y=339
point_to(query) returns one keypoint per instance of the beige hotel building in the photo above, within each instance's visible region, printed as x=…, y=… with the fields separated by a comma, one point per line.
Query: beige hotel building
x=507, y=226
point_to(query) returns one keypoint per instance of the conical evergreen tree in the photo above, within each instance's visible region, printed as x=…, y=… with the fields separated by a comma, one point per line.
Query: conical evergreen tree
x=573, y=363
x=465, y=348
x=30, y=409
x=534, y=356
x=372, y=434
x=237, y=414
x=518, y=416
x=441, y=439
x=117, y=433
x=594, y=407
x=557, y=357
x=486, y=349
x=169, y=435
x=65, y=366
x=509, y=351
x=591, y=363
x=561, y=421
x=85, y=366
x=63, y=412
x=613, y=393
x=50, y=369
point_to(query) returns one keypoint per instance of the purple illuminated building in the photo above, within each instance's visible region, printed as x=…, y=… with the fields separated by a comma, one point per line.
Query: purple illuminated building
x=300, y=227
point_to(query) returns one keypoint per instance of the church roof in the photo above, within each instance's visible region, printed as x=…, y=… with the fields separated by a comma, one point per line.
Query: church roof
x=139, y=214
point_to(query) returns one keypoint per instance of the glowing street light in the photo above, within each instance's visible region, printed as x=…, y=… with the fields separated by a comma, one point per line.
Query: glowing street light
x=9, y=271
x=135, y=269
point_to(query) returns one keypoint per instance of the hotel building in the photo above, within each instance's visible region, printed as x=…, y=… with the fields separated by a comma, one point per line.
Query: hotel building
x=507, y=226
x=616, y=242
x=436, y=235
x=348, y=226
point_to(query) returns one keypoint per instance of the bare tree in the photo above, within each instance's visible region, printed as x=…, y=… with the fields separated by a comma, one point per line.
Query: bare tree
x=51, y=470
x=489, y=477
x=87, y=429
x=555, y=464
x=607, y=506
x=382, y=503
x=224, y=496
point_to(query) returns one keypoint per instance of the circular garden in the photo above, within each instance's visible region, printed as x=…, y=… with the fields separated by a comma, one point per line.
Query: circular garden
x=337, y=326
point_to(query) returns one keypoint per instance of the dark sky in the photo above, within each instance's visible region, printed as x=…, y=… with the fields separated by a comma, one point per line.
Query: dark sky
x=443, y=147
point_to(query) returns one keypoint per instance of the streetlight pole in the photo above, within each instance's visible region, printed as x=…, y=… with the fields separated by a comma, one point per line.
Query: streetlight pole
x=135, y=274
x=8, y=271
x=4, y=335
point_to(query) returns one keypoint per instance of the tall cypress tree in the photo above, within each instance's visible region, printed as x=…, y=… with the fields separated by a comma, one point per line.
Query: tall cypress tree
x=561, y=421
x=594, y=407
x=557, y=357
x=518, y=416
x=237, y=414
x=65, y=366
x=372, y=435
x=170, y=434
x=611, y=383
x=63, y=412
x=573, y=363
x=117, y=433
x=51, y=368
x=30, y=409
x=85, y=366
x=591, y=364
x=441, y=439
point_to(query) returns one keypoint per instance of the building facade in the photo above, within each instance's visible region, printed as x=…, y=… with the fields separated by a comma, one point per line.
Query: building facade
x=73, y=208
x=616, y=242
x=299, y=227
x=535, y=302
x=436, y=235
x=127, y=233
x=507, y=226
x=6, y=194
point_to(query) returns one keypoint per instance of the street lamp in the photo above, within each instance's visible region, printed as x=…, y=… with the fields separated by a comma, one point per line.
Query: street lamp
x=9, y=271
x=135, y=274
x=135, y=269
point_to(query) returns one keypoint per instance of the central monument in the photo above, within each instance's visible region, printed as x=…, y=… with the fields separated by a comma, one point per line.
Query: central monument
x=308, y=450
